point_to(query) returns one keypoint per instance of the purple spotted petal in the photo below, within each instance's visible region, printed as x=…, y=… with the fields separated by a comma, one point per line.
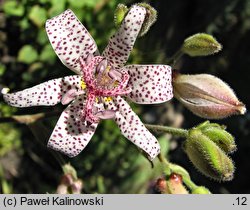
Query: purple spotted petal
x=45, y=94
x=133, y=129
x=121, y=44
x=150, y=84
x=70, y=39
x=72, y=133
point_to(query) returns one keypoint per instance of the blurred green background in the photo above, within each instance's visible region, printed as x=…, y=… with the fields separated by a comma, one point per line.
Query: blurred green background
x=110, y=164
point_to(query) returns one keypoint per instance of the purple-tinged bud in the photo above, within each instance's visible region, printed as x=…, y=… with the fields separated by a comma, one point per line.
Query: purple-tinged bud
x=62, y=189
x=206, y=96
x=160, y=186
x=67, y=180
x=77, y=187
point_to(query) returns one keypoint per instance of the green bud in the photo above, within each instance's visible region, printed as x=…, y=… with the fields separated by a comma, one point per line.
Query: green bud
x=149, y=20
x=120, y=13
x=201, y=44
x=207, y=157
x=219, y=136
x=201, y=190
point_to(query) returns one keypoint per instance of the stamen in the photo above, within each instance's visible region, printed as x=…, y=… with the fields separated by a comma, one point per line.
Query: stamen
x=106, y=114
x=83, y=85
x=116, y=75
x=101, y=67
x=89, y=58
x=107, y=99
x=69, y=96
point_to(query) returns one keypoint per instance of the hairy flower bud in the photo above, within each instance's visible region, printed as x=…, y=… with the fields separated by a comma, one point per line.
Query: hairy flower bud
x=201, y=44
x=207, y=157
x=160, y=186
x=207, y=96
x=70, y=171
x=201, y=190
x=120, y=13
x=175, y=185
x=219, y=136
x=77, y=186
x=150, y=18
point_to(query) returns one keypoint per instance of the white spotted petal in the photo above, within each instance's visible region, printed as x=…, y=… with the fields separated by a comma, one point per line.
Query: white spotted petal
x=45, y=94
x=72, y=133
x=133, y=129
x=150, y=84
x=70, y=39
x=122, y=42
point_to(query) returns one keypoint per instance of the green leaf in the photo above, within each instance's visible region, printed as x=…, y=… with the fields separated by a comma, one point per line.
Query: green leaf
x=48, y=55
x=42, y=37
x=44, y=1
x=2, y=69
x=24, y=23
x=38, y=15
x=13, y=8
x=58, y=6
x=27, y=54
x=78, y=3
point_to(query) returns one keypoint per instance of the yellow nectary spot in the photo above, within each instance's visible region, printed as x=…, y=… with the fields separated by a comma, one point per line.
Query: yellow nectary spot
x=96, y=100
x=107, y=99
x=83, y=84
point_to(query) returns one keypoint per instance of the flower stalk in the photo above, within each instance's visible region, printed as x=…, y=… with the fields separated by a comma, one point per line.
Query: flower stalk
x=174, y=131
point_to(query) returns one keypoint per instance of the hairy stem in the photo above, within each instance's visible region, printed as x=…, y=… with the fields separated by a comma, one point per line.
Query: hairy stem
x=174, y=131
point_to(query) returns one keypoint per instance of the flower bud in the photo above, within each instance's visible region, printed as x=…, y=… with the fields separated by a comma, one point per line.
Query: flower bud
x=201, y=44
x=219, y=136
x=120, y=13
x=160, y=186
x=67, y=180
x=62, y=189
x=70, y=171
x=207, y=157
x=149, y=20
x=206, y=96
x=175, y=185
x=77, y=187
x=201, y=190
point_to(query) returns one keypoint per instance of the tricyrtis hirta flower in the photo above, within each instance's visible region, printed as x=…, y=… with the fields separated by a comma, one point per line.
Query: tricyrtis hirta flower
x=96, y=91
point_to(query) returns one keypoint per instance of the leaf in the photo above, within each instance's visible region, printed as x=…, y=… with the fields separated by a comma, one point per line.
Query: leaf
x=42, y=37
x=38, y=15
x=27, y=54
x=2, y=69
x=48, y=55
x=58, y=6
x=78, y=3
x=13, y=8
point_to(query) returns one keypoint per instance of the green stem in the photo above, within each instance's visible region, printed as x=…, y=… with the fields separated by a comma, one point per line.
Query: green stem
x=170, y=168
x=172, y=61
x=189, y=183
x=174, y=131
